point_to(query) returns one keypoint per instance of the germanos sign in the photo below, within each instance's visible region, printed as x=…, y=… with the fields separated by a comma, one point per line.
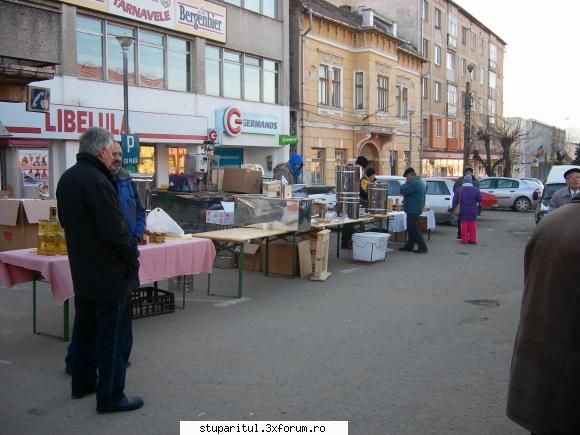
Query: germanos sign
x=196, y=17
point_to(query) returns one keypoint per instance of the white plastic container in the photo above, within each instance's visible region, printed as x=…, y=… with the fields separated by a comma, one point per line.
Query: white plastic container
x=369, y=247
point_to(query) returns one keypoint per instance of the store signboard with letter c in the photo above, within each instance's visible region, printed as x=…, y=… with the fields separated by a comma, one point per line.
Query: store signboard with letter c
x=234, y=122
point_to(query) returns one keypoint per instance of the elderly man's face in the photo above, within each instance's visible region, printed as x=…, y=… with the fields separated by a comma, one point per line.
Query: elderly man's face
x=117, y=158
x=106, y=156
x=573, y=180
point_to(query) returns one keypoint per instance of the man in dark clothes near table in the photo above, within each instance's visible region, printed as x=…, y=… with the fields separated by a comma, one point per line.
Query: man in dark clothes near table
x=413, y=192
x=104, y=266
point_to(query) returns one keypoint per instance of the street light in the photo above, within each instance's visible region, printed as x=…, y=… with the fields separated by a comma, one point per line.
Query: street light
x=467, y=124
x=410, y=113
x=125, y=42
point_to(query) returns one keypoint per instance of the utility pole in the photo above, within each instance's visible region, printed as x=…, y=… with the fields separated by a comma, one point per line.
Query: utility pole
x=410, y=113
x=467, y=123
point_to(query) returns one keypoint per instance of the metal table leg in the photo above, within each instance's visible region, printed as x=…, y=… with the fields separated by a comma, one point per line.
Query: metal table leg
x=241, y=270
x=65, y=323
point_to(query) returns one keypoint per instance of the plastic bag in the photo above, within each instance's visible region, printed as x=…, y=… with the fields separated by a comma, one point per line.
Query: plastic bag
x=160, y=222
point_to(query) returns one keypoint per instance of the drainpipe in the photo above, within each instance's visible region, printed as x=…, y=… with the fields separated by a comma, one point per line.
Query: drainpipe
x=302, y=36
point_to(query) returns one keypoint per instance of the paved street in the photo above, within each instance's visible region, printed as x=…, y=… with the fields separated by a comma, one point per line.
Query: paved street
x=420, y=344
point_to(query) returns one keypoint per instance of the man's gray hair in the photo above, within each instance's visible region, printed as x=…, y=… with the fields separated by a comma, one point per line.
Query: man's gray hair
x=95, y=139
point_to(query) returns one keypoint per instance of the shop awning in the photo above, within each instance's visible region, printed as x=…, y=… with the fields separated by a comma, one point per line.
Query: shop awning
x=24, y=143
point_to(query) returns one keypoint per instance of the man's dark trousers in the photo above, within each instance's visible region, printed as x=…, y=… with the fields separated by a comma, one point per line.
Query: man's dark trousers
x=414, y=233
x=101, y=332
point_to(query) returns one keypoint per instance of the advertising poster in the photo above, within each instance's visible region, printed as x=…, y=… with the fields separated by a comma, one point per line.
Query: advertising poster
x=34, y=169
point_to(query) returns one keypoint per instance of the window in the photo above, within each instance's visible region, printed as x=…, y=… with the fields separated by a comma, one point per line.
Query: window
x=492, y=80
x=464, y=31
x=463, y=67
x=359, y=90
x=316, y=166
x=425, y=128
x=401, y=102
x=491, y=110
x=270, y=82
x=178, y=64
x=340, y=156
x=452, y=32
x=176, y=159
x=251, y=78
x=336, y=87
x=224, y=75
x=451, y=133
x=451, y=99
x=450, y=61
x=115, y=54
x=89, y=48
x=486, y=184
x=437, y=91
x=425, y=11
x=473, y=41
x=438, y=127
x=407, y=157
x=472, y=73
x=480, y=105
x=481, y=75
x=425, y=48
x=329, y=86
x=323, y=85
x=151, y=60
x=481, y=44
x=382, y=93
x=212, y=70
x=437, y=18
x=492, y=56
x=232, y=74
x=507, y=184
x=437, y=57
x=264, y=7
x=436, y=188
x=424, y=87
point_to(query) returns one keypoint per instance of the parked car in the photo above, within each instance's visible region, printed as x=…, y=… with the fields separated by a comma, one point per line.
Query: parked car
x=488, y=200
x=534, y=181
x=510, y=192
x=394, y=183
x=439, y=198
x=554, y=181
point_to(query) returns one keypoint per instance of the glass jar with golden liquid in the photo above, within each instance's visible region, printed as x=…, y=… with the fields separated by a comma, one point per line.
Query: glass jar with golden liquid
x=51, y=246
x=41, y=241
x=62, y=250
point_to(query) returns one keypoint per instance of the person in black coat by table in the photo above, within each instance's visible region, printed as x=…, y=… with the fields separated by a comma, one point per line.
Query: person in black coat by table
x=104, y=266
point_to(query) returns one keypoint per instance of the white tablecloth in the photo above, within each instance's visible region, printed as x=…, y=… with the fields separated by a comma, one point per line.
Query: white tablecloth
x=399, y=222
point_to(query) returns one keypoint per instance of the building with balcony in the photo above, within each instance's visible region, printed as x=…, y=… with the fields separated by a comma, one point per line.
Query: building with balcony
x=355, y=90
x=452, y=40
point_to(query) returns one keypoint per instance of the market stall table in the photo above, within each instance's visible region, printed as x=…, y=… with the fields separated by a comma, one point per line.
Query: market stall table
x=230, y=238
x=398, y=223
x=337, y=224
x=158, y=261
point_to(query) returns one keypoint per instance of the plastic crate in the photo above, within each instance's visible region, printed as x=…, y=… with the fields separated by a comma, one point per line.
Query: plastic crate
x=149, y=301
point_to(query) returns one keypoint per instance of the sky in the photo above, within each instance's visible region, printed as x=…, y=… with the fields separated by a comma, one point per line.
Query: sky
x=542, y=60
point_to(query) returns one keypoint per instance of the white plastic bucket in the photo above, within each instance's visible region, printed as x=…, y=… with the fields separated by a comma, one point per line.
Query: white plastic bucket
x=369, y=246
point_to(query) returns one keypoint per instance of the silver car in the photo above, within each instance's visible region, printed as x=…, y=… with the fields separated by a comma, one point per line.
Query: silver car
x=511, y=193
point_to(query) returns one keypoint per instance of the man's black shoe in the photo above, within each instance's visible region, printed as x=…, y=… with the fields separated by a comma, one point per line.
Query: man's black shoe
x=406, y=249
x=458, y=237
x=125, y=404
x=79, y=394
x=420, y=251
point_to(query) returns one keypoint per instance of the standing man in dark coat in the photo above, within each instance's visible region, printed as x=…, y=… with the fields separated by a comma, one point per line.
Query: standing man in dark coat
x=104, y=266
x=545, y=372
x=413, y=192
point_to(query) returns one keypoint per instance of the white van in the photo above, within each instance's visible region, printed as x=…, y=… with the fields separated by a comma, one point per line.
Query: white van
x=554, y=181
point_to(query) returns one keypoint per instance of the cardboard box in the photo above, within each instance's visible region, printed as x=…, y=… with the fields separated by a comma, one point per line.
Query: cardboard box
x=398, y=237
x=216, y=178
x=219, y=217
x=240, y=180
x=280, y=258
x=252, y=257
x=19, y=222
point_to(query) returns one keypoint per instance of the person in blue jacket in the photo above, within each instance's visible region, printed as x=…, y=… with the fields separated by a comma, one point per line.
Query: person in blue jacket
x=413, y=192
x=135, y=215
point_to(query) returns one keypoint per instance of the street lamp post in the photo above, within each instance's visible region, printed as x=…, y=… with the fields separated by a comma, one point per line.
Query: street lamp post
x=467, y=124
x=410, y=113
x=125, y=42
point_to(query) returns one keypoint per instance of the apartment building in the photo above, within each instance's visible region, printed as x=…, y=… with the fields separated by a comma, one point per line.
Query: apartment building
x=195, y=66
x=355, y=90
x=459, y=49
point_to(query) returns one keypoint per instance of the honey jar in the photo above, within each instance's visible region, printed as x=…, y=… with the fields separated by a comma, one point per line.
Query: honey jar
x=41, y=240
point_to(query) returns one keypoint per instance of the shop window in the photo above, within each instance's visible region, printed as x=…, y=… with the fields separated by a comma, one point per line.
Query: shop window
x=151, y=60
x=316, y=168
x=89, y=48
x=178, y=64
x=146, y=160
x=176, y=160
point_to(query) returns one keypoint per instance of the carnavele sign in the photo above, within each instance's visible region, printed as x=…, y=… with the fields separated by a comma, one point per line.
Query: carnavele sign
x=236, y=122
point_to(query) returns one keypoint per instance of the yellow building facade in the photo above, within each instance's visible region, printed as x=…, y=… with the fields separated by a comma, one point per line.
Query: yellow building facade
x=360, y=95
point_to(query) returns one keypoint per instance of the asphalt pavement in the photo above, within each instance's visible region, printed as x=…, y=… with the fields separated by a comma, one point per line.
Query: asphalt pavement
x=419, y=344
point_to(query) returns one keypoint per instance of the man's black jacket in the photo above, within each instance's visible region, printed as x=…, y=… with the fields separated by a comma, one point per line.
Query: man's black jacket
x=102, y=252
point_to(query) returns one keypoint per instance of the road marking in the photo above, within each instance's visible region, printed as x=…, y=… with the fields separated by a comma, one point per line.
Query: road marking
x=353, y=269
x=232, y=302
x=3, y=361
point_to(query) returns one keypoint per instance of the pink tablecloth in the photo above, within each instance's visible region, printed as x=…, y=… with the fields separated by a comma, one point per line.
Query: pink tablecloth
x=158, y=262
